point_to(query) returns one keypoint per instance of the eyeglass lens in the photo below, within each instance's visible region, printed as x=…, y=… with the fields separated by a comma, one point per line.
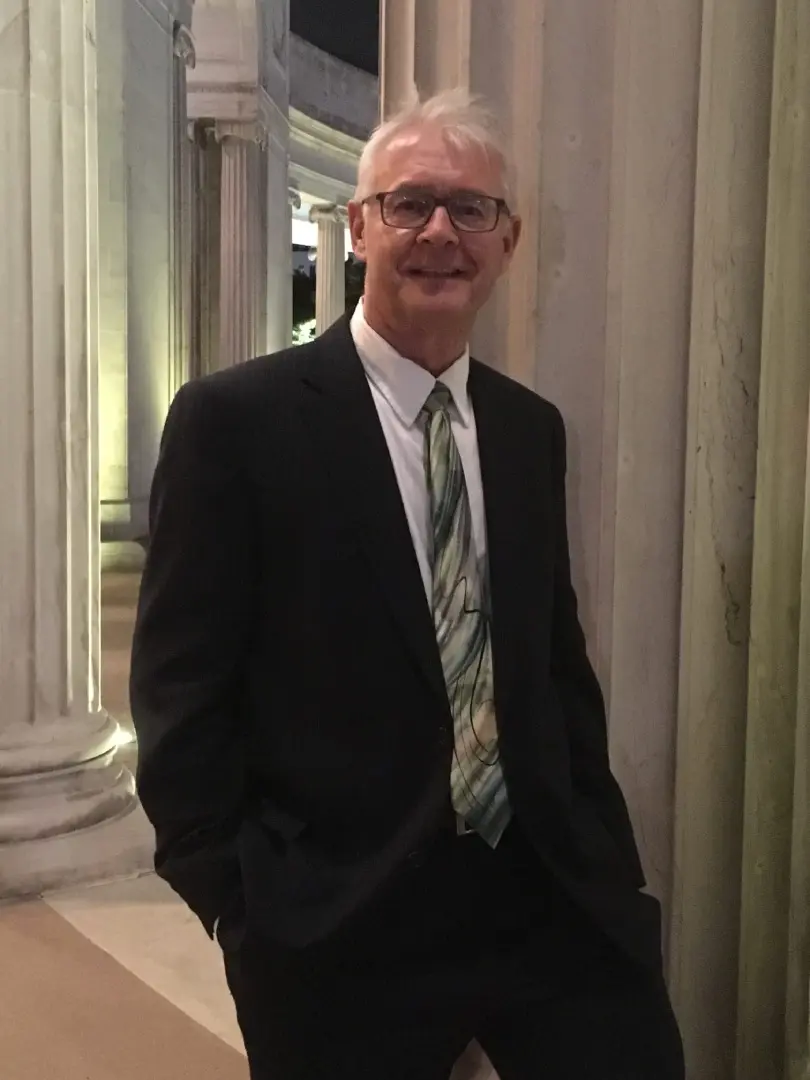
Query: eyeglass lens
x=467, y=210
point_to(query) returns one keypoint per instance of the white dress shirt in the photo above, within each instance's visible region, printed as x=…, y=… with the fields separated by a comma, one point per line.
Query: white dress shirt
x=400, y=388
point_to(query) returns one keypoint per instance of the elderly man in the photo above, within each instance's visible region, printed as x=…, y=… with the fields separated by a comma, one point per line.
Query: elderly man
x=371, y=742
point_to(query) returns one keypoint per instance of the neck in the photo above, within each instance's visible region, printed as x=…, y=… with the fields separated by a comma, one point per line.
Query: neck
x=434, y=347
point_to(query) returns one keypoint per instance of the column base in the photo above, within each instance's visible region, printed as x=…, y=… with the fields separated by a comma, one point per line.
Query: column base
x=69, y=812
x=119, y=847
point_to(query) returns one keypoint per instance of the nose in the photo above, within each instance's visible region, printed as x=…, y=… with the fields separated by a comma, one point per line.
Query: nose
x=439, y=229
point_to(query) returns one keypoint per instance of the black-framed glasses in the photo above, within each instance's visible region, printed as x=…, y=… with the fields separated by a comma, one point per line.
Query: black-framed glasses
x=469, y=211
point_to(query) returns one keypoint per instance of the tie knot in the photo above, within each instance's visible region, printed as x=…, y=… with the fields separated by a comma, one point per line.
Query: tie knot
x=438, y=400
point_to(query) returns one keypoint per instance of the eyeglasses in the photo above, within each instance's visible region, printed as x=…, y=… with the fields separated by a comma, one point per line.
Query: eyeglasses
x=468, y=211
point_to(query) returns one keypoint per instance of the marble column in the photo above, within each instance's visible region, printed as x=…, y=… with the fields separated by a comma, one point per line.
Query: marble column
x=241, y=276
x=599, y=107
x=608, y=314
x=775, y=917
x=156, y=53
x=113, y=375
x=330, y=268
x=733, y=137
x=598, y=104
x=293, y=204
x=278, y=238
x=143, y=50
x=66, y=802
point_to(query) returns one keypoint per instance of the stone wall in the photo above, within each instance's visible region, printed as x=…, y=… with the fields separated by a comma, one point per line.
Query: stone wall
x=332, y=91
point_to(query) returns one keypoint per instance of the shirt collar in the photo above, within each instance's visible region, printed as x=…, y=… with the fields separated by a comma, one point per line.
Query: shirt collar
x=405, y=385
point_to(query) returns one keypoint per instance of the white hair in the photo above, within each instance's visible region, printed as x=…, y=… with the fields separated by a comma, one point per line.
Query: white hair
x=465, y=119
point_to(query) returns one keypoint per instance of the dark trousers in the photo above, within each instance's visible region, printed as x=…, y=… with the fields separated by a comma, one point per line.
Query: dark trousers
x=465, y=943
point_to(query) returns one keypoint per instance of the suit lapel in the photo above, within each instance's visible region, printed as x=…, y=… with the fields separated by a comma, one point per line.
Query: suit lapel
x=343, y=421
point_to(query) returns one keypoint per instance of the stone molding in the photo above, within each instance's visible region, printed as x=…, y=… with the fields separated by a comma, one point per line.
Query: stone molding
x=240, y=103
x=325, y=140
x=184, y=46
x=250, y=131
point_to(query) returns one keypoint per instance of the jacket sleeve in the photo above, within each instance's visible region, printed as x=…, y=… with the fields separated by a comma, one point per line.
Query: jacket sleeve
x=192, y=634
x=577, y=686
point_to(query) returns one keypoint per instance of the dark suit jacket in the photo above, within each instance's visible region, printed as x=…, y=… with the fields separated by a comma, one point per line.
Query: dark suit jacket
x=294, y=731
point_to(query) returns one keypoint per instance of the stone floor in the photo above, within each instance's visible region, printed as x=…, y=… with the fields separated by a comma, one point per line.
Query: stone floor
x=118, y=981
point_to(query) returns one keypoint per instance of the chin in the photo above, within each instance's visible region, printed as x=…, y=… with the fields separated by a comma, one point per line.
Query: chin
x=455, y=298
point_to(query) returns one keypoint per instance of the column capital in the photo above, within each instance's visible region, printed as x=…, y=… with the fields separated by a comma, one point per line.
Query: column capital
x=294, y=198
x=252, y=131
x=183, y=46
x=328, y=212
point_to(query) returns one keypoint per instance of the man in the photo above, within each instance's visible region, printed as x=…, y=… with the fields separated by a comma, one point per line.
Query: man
x=371, y=742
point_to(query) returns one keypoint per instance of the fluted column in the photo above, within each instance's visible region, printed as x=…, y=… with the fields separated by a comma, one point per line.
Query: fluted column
x=772, y=1022
x=330, y=268
x=64, y=797
x=277, y=242
x=241, y=271
x=662, y=302
x=156, y=50
x=598, y=105
x=495, y=49
x=733, y=135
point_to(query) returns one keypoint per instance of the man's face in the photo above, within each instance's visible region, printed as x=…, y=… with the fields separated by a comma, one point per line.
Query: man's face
x=416, y=275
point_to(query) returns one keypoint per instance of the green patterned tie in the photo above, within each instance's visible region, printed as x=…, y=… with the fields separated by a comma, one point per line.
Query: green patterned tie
x=460, y=616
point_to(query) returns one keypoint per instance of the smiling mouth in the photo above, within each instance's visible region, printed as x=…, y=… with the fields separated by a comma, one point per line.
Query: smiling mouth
x=436, y=274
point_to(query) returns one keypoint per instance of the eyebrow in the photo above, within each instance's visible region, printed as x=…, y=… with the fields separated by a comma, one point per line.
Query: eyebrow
x=441, y=189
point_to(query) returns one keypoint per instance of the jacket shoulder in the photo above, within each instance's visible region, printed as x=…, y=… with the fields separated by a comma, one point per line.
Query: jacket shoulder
x=245, y=378
x=256, y=383
x=515, y=395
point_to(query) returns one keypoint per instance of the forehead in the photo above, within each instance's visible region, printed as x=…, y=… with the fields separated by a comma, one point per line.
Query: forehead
x=426, y=157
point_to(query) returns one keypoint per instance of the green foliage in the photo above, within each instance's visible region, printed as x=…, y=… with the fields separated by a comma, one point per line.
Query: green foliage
x=304, y=332
x=355, y=281
x=303, y=297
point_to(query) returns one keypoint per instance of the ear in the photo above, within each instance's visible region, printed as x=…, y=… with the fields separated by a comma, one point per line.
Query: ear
x=511, y=237
x=357, y=229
